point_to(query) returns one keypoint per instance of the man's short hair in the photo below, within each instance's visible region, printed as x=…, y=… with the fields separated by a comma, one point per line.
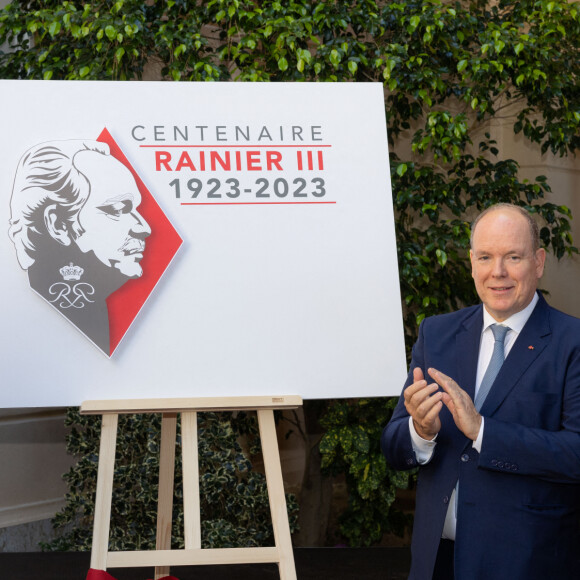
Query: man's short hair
x=47, y=175
x=534, y=229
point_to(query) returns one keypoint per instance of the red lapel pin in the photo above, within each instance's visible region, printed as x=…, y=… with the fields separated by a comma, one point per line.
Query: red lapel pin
x=531, y=347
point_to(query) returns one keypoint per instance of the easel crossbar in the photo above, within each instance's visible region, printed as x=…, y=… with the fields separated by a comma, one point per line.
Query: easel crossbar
x=193, y=557
x=179, y=405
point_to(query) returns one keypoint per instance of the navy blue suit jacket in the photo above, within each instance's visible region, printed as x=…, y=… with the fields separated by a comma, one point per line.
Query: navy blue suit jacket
x=518, y=510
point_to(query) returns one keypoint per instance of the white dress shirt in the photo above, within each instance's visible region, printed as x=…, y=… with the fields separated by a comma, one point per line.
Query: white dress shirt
x=423, y=448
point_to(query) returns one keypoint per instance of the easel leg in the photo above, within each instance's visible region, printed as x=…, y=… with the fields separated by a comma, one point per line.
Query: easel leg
x=165, y=496
x=191, y=504
x=104, y=494
x=275, y=483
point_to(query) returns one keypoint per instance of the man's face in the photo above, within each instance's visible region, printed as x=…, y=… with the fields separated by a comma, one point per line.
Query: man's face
x=504, y=266
x=113, y=228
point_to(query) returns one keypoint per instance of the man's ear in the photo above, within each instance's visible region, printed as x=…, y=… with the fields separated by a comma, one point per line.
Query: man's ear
x=56, y=227
x=540, y=262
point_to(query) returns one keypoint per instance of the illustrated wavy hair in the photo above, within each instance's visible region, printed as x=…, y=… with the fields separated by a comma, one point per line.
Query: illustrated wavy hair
x=47, y=175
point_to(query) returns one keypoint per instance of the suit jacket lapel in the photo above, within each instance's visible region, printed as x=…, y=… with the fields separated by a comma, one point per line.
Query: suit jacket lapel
x=536, y=334
x=467, y=351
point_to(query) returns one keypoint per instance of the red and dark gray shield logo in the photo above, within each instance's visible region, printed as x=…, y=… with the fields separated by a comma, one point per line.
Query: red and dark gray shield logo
x=90, y=235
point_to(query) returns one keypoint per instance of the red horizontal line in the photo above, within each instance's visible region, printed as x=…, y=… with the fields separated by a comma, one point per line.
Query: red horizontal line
x=233, y=146
x=255, y=202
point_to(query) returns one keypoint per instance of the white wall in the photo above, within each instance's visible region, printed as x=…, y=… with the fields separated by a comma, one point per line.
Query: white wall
x=33, y=459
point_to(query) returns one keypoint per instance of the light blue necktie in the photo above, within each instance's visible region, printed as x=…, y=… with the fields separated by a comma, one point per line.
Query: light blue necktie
x=497, y=358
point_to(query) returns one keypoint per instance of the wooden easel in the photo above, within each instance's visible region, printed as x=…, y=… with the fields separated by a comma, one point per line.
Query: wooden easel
x=163, y=556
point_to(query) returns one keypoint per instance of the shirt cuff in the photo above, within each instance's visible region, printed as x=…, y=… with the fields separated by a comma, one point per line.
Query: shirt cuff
x=422, y=447
x=477, y=443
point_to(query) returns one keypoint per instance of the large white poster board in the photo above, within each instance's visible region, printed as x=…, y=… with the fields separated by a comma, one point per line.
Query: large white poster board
x=184, y=239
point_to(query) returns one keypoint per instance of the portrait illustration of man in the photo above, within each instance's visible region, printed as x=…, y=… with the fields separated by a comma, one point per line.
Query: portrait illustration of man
x=76, y=229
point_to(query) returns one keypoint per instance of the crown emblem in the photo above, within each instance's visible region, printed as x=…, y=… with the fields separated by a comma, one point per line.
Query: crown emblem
x=71, y=272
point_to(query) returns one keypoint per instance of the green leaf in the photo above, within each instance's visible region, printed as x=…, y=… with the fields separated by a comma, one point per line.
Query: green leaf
x=54, y=28
x=414, y=22
x=305, y=55
x=441, y=257
x=111, y=32
x=181, y=48
x=335, y=57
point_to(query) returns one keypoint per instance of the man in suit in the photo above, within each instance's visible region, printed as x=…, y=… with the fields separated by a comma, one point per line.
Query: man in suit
x=498, y=488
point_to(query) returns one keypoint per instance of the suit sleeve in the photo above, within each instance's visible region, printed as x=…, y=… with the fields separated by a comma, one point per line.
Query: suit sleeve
x=396, y=439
